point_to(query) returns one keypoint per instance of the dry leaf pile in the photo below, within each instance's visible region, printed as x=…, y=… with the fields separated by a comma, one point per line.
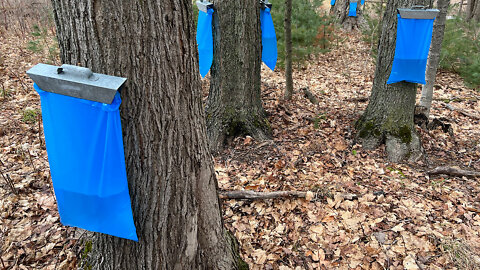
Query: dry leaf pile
x=361, y=212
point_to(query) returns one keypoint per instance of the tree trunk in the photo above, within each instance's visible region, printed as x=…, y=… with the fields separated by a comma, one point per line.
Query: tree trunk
x=389, y=115
x=460, y=8
x=234, y=105
x=171, y=179
x=476, y=11
x=340, y=12
x=288, y=50
x=470, y=9
x=434, y=56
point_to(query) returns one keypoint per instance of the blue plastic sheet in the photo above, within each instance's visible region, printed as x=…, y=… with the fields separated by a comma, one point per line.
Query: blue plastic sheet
x=332, y=3
x=269, y=39
x=87, y=163
x=411, y=50
x=352, y=10
x=205, y=41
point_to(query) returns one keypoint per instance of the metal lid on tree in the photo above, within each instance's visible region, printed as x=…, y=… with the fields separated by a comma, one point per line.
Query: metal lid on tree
x=76, y=82
x=418, y=12
x=204, y=6
x=414, y=35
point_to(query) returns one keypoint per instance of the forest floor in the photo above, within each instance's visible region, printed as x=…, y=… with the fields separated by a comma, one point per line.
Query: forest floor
x=361, y=212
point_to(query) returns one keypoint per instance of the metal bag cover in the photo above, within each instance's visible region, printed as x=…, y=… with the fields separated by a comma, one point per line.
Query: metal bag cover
x=205, y=41
x=269, y=39
x=411, y=50
x=87, y=163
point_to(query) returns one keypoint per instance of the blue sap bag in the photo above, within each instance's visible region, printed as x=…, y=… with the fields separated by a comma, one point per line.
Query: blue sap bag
x=332, y=3
x=87, y=163
x=362, y=2
x=269, y=39
x=205, y=41
x=411, y=50
x=352, y=10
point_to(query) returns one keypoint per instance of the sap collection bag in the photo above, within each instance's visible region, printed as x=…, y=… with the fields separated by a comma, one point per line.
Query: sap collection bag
x=411, y=50
x=352, y=10
x=205, y=41
x=87, y=163
x=269, y=39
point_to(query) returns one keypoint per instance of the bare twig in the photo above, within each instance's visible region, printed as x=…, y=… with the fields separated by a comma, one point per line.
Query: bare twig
x=40, y=129
x=24, y=86
x=31, y=159
x=453, y=171
x=8, y=180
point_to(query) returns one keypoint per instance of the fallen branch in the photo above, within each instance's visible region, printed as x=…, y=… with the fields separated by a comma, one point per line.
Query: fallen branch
x=471, y=115
x=358, y=99
x=255, y=195
x=310, y=95
x=453, y=172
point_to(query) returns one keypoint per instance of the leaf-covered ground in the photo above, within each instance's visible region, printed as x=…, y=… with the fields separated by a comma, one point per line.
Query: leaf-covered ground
x=395, y=217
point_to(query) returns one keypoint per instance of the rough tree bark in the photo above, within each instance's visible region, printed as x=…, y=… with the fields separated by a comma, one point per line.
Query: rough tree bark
x=476, y=11
x=234, y=105
x=389, y=115
x=460, y=8
x=288, y=51
x=434, y=56
x=170, y=172
x=340, y=12
x=473, y=10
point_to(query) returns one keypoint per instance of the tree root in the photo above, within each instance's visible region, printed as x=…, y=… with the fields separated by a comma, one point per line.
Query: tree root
x=453, y=172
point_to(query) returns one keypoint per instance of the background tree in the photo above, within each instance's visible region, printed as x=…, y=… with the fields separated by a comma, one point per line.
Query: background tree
x=170, y=171
x=473, y=10
x=234, y=105
x=340, y=12
x=389, y=115
x=476, y=11
x=434, y=56
x=288, y=50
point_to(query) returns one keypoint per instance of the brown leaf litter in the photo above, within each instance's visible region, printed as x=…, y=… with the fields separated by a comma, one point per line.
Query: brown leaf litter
x=400, y=218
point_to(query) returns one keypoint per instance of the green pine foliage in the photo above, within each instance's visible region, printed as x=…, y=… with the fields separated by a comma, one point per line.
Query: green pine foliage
x=311, y=31
x=461, y=50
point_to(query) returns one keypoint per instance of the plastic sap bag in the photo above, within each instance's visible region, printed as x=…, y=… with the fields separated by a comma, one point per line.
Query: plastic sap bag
x=352, y=10
x=362, y=2
x=205, y=41
x=332, y=2
x=411, y=50
x=269, y=39
x=87, y=163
